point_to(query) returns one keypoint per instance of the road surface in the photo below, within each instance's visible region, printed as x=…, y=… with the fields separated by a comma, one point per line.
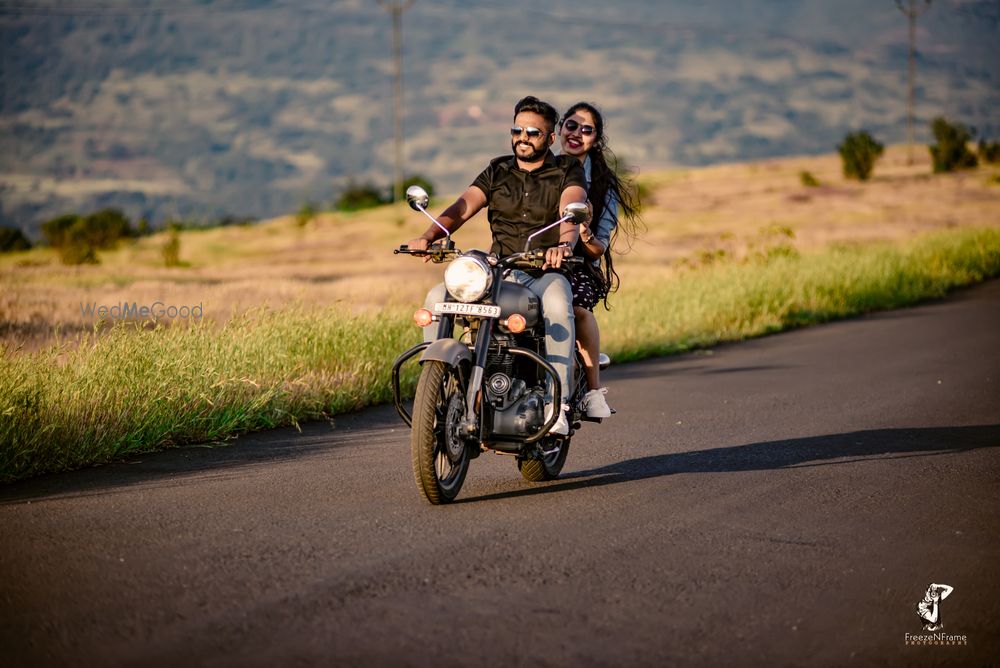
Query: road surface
x=784, y=501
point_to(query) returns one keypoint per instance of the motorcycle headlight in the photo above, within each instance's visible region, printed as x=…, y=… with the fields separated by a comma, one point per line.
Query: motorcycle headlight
x=468, y=278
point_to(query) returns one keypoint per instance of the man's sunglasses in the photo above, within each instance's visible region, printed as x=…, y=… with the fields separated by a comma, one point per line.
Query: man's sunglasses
x=573, y=126
x=533, y=133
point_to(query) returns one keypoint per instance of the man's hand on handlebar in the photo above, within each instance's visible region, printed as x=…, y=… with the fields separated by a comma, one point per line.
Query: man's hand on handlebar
x=554, y=256
x=439, y=251
x=419, y=244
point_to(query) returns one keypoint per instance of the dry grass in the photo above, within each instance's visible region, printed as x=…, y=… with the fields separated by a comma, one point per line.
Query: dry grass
x=346, y=258
x=696, y=207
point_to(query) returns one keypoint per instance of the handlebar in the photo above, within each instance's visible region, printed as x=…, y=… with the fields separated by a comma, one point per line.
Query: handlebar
x=436, y=252
x=533, y=259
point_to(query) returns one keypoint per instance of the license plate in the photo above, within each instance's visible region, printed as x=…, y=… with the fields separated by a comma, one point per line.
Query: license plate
x=481, y=310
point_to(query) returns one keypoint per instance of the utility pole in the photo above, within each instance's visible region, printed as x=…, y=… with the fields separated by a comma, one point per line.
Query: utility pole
x=396, y=9
x=912, y=10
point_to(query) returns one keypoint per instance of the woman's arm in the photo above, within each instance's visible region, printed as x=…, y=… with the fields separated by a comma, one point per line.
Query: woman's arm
x=592, y=246
x=597, y=241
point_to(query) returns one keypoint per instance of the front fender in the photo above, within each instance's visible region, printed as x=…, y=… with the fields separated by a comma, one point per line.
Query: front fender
x=449, y=351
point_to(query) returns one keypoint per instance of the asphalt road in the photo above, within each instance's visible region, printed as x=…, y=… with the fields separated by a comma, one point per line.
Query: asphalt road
x=784, y=501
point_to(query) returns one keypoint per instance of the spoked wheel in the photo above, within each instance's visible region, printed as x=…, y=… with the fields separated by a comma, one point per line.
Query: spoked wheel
x=555, y=450
x=440, y=455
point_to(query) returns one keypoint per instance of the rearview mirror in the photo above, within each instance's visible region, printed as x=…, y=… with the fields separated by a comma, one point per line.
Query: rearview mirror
x=578, y=212
x=417, y=198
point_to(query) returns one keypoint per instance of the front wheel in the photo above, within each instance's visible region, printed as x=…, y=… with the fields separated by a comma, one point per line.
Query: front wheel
x=555, y=451
x=440, y=454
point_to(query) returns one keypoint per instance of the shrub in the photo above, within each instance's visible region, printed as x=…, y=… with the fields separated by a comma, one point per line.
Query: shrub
x=70, y=235
x=55, y=230
x=360, y=196
x=77, y=244
x=989, y=151
x=808, y=180
x=106, y=227
x=305, y=214
x=951, y=151
x=12, y=239
x=78, y=238
x=859, y=151
x=230, y=220
x=172, y=248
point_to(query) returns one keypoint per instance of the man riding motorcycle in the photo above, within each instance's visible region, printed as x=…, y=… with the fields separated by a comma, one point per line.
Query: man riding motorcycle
x=524, y=192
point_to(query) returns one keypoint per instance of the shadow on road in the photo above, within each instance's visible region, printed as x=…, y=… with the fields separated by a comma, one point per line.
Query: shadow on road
x=812, y=451
x=686, y=366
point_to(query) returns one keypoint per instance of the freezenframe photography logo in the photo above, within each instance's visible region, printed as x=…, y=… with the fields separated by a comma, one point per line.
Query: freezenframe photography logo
x=929, y=612
x=134, y=311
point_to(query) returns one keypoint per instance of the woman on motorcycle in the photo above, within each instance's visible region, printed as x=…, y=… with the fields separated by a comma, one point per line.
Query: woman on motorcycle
x=581, y=135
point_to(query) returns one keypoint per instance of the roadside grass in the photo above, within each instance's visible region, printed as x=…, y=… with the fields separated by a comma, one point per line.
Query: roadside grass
x=132, y=389
x=737, y=299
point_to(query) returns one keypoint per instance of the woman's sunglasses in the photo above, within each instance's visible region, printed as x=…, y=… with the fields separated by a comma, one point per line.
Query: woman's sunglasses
x=573, y=126
x=533, y=133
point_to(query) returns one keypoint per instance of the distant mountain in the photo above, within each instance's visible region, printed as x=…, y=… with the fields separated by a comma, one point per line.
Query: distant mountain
x=200, y=108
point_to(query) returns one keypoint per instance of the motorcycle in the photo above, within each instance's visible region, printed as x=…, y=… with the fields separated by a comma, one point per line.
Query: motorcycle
x=485, y=390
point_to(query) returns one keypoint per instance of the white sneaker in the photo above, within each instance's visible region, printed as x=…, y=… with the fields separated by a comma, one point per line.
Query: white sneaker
x=595, y=404
x=561, y=426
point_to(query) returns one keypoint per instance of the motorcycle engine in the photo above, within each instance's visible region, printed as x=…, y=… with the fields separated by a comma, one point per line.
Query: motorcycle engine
x=517, y=411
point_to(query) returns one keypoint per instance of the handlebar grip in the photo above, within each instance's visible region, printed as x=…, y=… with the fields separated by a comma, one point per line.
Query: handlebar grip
x=405, y=248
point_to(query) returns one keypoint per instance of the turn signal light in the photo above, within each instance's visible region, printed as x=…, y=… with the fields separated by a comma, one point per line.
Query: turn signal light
x=516, y=323
x=423, y=317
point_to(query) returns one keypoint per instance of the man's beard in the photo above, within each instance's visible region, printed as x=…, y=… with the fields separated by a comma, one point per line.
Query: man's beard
x=534, y=156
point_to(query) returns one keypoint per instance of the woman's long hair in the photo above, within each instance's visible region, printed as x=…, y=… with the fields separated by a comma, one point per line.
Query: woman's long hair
x=605, y=181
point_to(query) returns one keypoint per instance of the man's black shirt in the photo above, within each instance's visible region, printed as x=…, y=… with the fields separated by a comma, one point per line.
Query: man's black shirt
x=521, y=202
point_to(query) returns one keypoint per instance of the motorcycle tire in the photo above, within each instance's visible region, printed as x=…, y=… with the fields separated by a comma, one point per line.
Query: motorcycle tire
x=438, y=407
x=547, y=468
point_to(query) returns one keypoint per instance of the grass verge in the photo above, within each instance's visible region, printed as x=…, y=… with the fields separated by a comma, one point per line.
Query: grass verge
x=735, y=300
x=133, y=390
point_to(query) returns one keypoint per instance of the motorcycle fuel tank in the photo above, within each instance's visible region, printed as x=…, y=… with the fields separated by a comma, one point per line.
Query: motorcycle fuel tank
x=515, y=298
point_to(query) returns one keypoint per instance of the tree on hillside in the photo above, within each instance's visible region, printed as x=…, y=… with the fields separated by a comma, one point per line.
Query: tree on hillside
x=78, y=238
x=54, y=231
x=989, y=152
x=859, y=151
x=12, y=239
x=77, y=246
x=360, y=196
x=107, y=226
x=951, y=151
